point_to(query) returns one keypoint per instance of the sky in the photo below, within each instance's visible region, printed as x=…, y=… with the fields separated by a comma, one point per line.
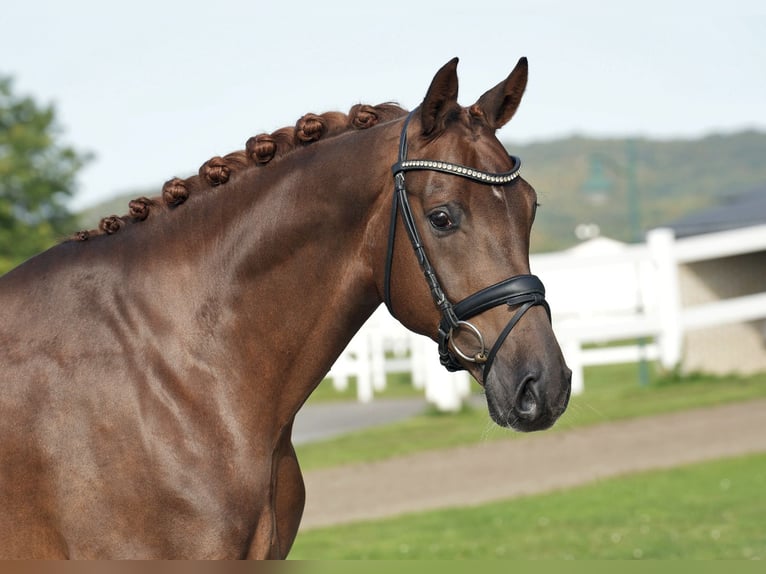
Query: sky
x=155, y=88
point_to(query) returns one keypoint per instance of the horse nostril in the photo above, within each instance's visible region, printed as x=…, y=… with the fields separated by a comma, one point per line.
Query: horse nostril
x=527, y=398
x=527, y=402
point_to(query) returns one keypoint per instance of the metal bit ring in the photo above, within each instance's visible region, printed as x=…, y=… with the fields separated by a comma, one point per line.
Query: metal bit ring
x=481, y=356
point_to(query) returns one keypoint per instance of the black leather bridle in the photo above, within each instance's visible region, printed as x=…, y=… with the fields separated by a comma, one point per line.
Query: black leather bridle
x=524, y=291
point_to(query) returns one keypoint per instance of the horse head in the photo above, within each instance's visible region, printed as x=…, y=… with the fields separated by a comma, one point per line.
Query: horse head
x=468, y=214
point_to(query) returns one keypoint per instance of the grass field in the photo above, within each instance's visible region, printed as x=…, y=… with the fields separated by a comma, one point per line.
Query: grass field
x=713, y=510
x=612, y=393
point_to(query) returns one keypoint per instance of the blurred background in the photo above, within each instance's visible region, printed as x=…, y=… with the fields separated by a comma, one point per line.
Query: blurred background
x=644, y=132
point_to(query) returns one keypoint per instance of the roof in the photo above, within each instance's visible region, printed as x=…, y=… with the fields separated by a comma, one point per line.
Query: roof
x=597, y=246
x=735, y=212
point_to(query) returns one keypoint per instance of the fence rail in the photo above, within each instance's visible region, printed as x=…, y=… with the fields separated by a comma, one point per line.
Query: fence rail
x=630, y=293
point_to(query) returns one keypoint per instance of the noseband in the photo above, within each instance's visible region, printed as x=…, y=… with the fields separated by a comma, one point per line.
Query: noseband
x=524, y=291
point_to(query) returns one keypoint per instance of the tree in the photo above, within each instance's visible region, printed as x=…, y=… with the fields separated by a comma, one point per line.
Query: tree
x=37, y=176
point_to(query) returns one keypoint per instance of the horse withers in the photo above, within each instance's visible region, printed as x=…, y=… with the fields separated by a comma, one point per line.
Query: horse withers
x=152, y=368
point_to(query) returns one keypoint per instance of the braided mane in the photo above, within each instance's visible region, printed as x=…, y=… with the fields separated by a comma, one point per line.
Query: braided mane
x=260, y=150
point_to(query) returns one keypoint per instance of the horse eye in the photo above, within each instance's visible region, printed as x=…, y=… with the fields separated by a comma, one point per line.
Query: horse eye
x=440, y=220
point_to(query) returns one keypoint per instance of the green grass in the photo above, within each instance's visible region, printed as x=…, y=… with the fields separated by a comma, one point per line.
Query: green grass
x=713, y=510
x=397, y=385
x=611, y=393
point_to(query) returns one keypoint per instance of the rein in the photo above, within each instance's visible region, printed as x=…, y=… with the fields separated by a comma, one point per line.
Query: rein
x=524, y=291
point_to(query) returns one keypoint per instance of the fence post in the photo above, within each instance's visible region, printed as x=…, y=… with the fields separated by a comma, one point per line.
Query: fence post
x=364, y=388
x=661, y=244
x=572, y=350
x=341, y=370
x=377, y=359
x=418, y=360
x=443, y=389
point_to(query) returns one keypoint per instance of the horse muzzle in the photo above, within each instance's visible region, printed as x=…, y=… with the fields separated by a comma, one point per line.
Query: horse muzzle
x=530, y=402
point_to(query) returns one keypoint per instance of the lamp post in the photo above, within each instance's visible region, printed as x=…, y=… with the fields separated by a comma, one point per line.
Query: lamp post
x=597, y=188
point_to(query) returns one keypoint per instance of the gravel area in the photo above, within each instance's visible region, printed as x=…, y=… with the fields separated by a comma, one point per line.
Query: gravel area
x=535, y=463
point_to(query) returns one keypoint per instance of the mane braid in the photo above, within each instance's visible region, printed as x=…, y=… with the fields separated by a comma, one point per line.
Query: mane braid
x=260, y=150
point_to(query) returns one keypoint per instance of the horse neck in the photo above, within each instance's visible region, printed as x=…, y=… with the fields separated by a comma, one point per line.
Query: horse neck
x=292, y=256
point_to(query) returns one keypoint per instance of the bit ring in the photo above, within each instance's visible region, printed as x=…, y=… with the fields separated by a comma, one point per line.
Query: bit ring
x=481, y=356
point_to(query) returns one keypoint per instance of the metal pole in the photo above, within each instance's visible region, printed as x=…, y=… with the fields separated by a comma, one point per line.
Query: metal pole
x=634, y=216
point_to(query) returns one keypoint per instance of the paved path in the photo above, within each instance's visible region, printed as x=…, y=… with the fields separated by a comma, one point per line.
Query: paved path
x=326, y=420
x=531, y=464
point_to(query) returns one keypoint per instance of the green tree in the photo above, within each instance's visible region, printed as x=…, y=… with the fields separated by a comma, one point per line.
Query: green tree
x=37, y=175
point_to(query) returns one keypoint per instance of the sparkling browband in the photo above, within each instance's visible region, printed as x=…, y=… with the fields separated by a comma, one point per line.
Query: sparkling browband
x=460, y=170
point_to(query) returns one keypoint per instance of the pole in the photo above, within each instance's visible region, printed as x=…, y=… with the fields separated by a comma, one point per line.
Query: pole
x=634, y=216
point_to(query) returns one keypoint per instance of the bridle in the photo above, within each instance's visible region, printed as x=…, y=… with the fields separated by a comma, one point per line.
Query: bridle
x=524, y=291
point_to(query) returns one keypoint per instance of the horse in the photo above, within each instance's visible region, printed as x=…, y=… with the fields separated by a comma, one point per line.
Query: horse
x=152, y=368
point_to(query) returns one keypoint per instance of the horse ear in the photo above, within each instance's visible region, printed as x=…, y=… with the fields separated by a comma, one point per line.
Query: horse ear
x=499, y=104
x=440, y=98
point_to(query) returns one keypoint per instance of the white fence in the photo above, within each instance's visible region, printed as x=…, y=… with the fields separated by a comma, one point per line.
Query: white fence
x=600, y=292
x=384, y=346
x=650, y=308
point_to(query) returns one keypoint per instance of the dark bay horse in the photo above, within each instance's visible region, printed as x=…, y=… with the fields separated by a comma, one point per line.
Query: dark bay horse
x=151, y=369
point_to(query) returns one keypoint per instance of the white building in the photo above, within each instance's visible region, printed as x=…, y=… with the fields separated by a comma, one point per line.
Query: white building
x=736, y=347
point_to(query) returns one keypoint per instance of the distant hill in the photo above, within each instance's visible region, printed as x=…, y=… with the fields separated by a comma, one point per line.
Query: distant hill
x=672, y=178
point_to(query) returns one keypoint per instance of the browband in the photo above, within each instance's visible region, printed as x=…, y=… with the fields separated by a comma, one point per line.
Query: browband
x=460, y=170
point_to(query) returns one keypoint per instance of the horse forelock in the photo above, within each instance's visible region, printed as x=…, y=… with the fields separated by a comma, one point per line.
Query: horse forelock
x=260, y=150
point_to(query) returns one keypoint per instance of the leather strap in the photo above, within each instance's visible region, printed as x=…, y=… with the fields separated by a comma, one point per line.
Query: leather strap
x=524, y=290
x=512, y=291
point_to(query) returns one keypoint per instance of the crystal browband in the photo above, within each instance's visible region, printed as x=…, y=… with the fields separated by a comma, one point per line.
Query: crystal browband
x=460, y=170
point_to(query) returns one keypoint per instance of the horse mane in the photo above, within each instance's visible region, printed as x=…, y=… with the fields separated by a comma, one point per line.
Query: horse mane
x=260, y=150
